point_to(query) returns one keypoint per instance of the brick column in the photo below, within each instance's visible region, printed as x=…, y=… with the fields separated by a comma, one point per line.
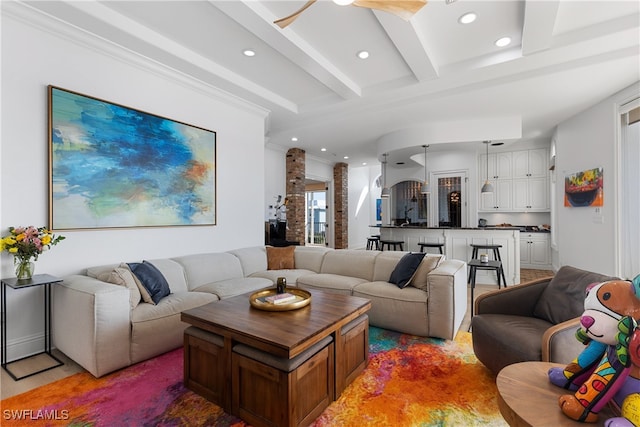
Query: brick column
x=341, y=205
x=296, y=173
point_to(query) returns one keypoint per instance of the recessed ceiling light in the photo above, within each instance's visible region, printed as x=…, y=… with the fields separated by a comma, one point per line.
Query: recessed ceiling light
x=249, y=52
x=467, y=18
x=504, y=41
x=363, y=54
x=294, y=139
x=323, y=149
x=345, y=157
x=343, y=2
x=364, y=163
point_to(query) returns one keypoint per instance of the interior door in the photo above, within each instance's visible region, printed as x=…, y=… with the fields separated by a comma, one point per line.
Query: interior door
x=449, y=203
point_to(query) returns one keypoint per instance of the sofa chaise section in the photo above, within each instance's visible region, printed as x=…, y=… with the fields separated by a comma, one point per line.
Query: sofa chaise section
x=434, y=308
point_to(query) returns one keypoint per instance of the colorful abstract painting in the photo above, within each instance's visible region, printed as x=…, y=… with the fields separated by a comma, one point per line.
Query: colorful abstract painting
x=584, y=188
x=114, y=167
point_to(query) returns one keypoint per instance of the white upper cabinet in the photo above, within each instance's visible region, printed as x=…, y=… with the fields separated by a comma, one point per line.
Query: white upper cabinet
x=520, y=181
x=530, y=163
x=499, y=165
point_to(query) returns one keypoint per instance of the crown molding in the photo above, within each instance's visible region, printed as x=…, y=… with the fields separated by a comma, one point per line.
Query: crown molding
x=35, y=18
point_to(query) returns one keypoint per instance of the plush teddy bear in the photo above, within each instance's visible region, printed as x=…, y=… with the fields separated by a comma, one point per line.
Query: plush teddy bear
x=604, y=369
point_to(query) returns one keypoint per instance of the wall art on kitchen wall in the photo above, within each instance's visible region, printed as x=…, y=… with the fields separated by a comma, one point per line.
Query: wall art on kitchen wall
x=584, y=188
x=112, y=166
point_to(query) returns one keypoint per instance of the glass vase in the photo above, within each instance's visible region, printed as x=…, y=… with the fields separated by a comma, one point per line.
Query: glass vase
x=24, y=268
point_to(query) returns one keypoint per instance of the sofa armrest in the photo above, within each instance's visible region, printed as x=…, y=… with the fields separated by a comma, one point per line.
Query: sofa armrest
x=447, y=298
x=559, y=343
x=91, y=323
x=517, y=300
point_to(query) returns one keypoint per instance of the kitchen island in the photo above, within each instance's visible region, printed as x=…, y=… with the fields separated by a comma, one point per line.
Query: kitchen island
x=457, y=245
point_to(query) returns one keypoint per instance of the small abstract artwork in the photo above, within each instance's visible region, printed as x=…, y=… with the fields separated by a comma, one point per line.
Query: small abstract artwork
x=584, y=188
x=115, y=167
x=378, y=209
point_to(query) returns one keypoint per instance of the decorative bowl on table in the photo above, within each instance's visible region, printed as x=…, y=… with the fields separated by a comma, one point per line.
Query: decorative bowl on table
x=261, y=299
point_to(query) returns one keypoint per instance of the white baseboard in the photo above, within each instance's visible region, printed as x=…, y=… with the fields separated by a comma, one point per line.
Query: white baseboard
x=25, y=346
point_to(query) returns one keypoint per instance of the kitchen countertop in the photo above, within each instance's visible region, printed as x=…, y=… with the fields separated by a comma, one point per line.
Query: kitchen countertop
x=523, y=228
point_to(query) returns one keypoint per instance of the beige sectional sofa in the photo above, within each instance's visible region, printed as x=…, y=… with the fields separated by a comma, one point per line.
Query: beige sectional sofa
x=105, y=326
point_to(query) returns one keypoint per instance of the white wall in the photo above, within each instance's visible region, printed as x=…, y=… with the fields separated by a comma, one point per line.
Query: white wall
x=34, y=57
x=362, y=204
x=586, y=236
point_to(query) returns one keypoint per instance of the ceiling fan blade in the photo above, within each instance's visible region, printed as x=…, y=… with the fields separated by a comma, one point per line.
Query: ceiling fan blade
x=283, y=22
x=405, y=9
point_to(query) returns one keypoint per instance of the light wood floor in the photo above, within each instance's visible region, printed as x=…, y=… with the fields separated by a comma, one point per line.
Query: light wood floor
x=9, y=387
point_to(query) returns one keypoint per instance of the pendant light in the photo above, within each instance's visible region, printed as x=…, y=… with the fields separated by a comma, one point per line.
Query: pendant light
x=385, y=190
x=487, y=187
x=425, y=186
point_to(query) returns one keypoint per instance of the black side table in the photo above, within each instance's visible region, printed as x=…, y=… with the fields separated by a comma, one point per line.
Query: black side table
x=37, y=280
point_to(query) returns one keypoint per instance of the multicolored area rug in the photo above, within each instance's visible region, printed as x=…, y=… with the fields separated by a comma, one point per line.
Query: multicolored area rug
x=410, y=381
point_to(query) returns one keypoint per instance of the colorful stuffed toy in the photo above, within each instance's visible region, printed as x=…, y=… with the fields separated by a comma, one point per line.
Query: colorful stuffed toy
x=628, y=397
x=604, y=370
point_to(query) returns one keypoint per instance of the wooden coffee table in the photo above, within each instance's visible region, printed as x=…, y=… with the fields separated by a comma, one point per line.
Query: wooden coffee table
x=284, y=334
x=526, y=398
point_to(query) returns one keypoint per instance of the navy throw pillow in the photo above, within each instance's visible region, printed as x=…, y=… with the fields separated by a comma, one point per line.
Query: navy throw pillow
x=405, y=269
x=152, y=280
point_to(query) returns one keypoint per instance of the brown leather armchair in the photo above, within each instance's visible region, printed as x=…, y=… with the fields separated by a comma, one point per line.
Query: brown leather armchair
x=536, y=320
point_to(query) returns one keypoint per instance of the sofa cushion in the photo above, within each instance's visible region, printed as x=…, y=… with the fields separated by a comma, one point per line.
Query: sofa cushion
x=350, y=262
x=429, y=262
x=280, y=258
x=330, y=282
x=500, y=340
x=403, y=310
x=201, y=269
x=124, y=277
x=310, y=257
x=152, y=280
x=563, y=298
x=149, y=322
x=252, y=259
x=290, y=275
x=173, y=273
x=385, y=263
x=405, y=269
x=232, y=287
x=172, y=304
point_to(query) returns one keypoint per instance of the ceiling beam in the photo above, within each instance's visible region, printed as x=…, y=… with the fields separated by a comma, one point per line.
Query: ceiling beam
x=413, y=48
x=539, y=20
x=258, y=20
x=134, y=29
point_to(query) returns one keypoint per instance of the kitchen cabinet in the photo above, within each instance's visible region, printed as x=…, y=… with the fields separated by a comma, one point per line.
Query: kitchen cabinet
x=500, y=166
x=535, y=251
x=531, y=194
x=520, y=181
x=501, y=198
x=530, y=163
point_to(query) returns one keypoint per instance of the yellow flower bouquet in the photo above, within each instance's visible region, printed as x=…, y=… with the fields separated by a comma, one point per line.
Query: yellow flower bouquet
x=25, y=244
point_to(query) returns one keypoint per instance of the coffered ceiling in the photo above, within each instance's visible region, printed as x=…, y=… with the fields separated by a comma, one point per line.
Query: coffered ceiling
x=431, y=80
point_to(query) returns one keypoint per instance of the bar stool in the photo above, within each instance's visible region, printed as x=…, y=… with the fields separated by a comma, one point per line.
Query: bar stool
x=430, y=245
x=389, y=243
x=496, y=257
x=475, y=265
x=373, y=242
